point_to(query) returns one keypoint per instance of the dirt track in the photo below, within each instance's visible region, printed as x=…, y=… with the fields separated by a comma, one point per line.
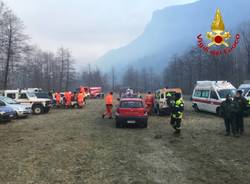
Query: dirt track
x=78, y=146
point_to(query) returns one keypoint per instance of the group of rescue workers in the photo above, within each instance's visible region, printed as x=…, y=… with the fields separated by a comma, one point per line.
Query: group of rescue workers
x=233, y=108
x=65, y=99
x=233, y=111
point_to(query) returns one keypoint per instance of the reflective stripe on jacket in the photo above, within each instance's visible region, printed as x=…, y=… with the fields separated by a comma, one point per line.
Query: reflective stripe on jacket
x=177, y=109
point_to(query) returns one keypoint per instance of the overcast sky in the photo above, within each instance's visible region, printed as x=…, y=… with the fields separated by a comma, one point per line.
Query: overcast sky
x=89, y=28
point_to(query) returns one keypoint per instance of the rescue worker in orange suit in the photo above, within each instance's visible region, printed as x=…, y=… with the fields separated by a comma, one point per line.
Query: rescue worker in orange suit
x=68, y=99
x=82, y=89
x=149, y=101
x=109, y=105
x=80, y=100
x=58, y=99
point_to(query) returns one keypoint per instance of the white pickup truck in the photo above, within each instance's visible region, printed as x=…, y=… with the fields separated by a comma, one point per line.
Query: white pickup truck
x=38, y=105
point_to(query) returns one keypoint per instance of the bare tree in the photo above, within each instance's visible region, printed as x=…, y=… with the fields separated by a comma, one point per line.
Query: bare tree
x=13, y=40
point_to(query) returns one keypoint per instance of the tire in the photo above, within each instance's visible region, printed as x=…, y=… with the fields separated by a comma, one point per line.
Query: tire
x=219, y=112
x=37, y=109
x=75, y=106
x=196, y=108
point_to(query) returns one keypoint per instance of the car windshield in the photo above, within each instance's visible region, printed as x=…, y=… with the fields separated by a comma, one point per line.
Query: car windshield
x=223, y=93
x=131, y=104
x=8, y=100
x=245, y=90
x=129, y=96
x=31, y=95
x=42, y=95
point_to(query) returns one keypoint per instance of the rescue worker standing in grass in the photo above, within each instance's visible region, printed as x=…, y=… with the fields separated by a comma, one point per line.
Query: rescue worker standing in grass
x=242, y=102
x=80, y=100
x=68, y=99
x=109, y=106
x=149, y=101
x=58, y=99
x=177, y=109
x=230, y=109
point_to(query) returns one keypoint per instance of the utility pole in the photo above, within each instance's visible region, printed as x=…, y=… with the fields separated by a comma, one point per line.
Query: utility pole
x=89, y=75
x=113, y=79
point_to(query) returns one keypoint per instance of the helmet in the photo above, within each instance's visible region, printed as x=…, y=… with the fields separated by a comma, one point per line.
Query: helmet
x=177, y=95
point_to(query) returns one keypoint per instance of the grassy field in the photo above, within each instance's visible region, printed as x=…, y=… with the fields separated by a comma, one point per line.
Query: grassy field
x=78, y=147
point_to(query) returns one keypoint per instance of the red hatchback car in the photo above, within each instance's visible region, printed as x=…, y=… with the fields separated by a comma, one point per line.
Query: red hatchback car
x=131, y=111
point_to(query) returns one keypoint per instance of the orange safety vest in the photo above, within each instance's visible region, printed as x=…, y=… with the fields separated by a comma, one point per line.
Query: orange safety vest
x=67, y=96
x=80, y=97
x=82, y=89
x=109, y=99
x=58, y=97
x=149, y=99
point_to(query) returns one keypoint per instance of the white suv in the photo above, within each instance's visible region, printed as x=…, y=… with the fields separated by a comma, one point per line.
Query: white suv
x=38, y=105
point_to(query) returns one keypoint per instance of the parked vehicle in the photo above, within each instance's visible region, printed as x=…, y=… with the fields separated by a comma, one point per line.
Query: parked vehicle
x=96, y=92
x=163, y=98
x=21, y=110
x=131, y=111
x=208, y=95
x=38, y=105
x=6, y=113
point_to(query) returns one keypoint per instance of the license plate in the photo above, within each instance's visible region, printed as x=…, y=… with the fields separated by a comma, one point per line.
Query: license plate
x=11, y=116
x=131, y=122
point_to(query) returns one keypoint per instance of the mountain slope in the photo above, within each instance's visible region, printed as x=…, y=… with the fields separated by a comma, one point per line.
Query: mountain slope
x=174, y=29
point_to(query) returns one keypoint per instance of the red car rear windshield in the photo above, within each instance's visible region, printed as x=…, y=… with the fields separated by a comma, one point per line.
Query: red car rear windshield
x=131, y=104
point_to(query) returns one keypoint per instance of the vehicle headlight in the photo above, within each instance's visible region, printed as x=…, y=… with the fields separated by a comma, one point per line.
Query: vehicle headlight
x=2, y=113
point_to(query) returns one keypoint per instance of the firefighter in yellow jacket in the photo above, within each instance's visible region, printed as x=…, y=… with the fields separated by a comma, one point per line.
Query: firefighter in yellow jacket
x=177, y=109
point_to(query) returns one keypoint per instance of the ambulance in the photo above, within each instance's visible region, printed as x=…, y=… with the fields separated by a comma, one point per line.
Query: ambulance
x=208, y=95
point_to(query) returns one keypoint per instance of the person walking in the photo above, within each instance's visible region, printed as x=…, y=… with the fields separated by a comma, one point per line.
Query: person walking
x=242, y=103
x=177, y=109
x=109, y=106
x=230, y=109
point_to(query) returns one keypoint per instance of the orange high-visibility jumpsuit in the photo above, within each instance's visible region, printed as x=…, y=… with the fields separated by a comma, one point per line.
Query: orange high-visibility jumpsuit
x=149, y=101
x=68, y=99
x=109, y=105
x=80, y=100
x=82, y=90
x=58, y=99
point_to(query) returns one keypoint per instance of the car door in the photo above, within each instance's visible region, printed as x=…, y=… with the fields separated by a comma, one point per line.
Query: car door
x=198, y=100
x=205, y=99
x=214, y=101
x=23, y=98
